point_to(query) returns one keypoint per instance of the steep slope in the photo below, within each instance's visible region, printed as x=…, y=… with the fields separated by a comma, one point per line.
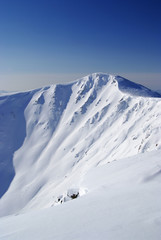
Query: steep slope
x=12, y=133
x=63, y=131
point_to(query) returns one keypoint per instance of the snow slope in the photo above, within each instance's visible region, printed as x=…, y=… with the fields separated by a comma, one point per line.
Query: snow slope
x=123, y=202
x=52, y=137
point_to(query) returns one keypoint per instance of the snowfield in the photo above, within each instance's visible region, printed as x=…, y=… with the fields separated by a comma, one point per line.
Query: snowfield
x=81, y=161
x=123, y=202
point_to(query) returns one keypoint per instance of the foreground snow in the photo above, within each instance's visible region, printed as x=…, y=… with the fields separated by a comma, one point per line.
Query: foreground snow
x=122, y=202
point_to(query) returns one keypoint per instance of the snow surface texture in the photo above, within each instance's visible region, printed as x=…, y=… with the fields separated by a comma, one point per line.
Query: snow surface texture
x=53, y=143
x=123, y=203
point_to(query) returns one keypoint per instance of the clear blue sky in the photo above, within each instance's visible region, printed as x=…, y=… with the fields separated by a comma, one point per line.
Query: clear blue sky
x=45, y=40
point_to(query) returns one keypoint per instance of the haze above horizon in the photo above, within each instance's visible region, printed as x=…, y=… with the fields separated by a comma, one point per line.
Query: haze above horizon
x=44, y=42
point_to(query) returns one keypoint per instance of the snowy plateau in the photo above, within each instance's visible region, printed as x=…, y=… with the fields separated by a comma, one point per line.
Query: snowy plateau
x=81, y=161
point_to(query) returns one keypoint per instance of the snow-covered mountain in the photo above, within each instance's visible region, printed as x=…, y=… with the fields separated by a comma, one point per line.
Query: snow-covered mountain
x=52, y=136
x=51, y=139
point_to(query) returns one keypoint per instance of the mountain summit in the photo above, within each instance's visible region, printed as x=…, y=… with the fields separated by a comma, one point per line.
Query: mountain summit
x=51, y=137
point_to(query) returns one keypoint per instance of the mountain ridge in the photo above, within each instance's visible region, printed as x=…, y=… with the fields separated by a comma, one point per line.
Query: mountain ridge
x=123, y=85
x=65, y=130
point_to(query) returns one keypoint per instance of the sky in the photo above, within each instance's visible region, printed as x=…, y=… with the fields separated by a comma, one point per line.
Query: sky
x=54, y=41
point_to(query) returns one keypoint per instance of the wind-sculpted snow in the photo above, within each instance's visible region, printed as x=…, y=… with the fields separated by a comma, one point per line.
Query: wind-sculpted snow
x=51, y=137
x=135, y=89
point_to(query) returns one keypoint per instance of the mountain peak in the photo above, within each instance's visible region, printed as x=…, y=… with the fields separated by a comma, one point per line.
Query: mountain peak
x=123, y=84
